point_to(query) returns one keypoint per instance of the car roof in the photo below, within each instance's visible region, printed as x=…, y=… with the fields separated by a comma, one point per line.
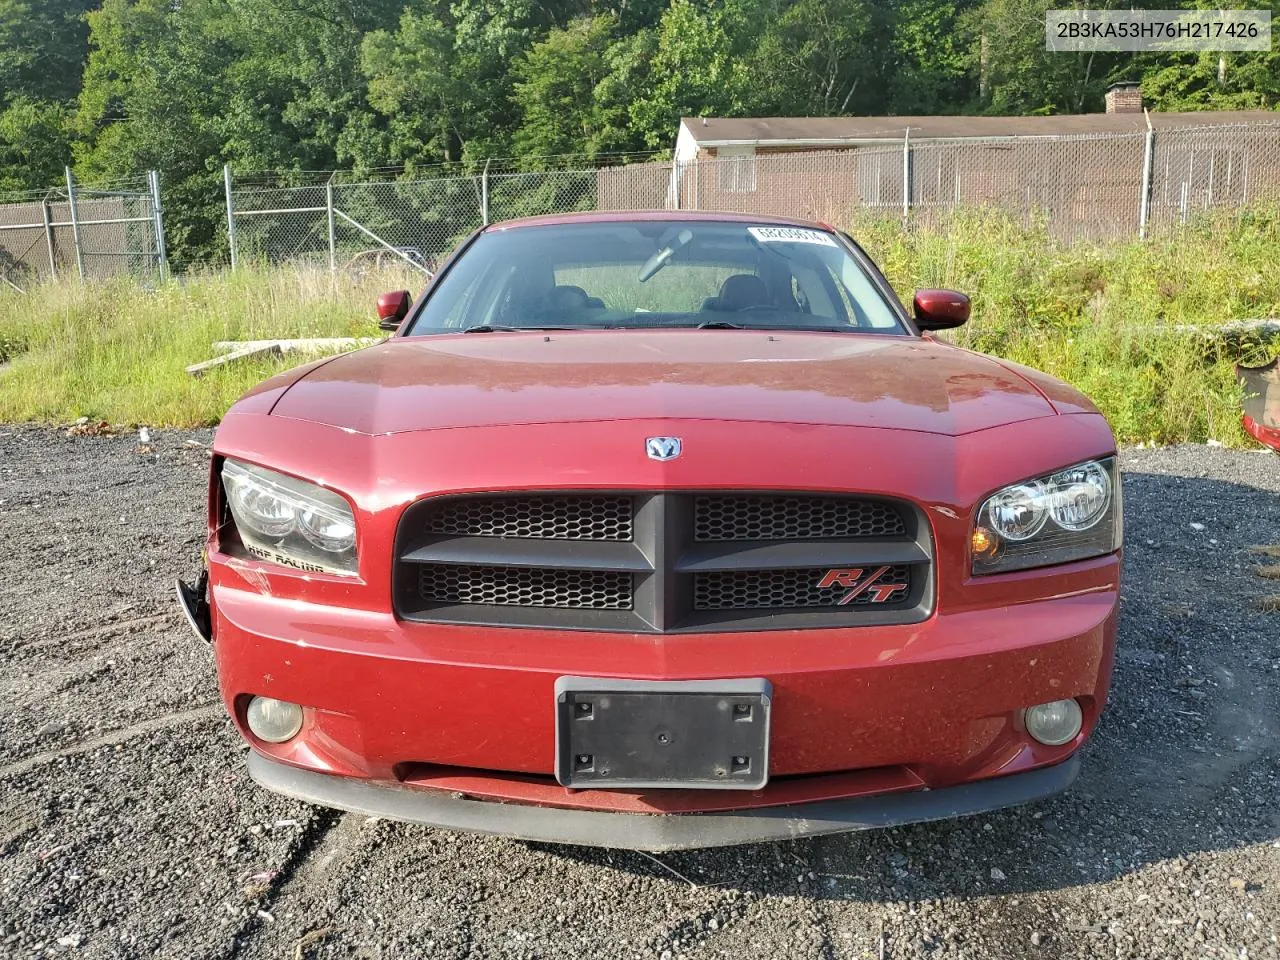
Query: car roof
x=630, y=216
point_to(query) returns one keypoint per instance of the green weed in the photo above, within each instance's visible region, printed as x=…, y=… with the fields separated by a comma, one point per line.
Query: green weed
x=1125, y=322
x=119, y=352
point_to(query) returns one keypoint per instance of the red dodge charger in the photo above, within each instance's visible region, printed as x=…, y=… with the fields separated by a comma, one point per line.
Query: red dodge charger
x=662, y=530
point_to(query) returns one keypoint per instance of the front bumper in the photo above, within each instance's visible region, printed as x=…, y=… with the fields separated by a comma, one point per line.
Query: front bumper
x=871, y=726
x=657, y=833
x=889, y=714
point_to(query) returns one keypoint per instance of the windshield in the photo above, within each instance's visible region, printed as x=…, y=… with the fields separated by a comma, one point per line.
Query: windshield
x=657, y=274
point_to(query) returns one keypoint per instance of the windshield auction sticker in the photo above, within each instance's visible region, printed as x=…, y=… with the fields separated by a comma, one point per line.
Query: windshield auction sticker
x=1161, y=30
x=791, y=235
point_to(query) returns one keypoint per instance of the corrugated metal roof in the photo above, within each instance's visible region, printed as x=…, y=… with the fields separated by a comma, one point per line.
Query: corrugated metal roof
x=711, y=131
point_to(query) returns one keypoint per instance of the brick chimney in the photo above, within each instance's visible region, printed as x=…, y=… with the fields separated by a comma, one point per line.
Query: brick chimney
x=1124, y=98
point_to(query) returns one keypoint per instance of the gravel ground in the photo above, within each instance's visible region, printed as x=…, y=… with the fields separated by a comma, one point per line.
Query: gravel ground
x=128, y=827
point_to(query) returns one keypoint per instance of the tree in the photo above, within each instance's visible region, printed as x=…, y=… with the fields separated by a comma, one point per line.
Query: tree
x=443, y=80
x=1018, y=75
x=1213, y=80
x=35, y=144
x=151, y=97
x=821, y=57
x=559, y=88
x=696, y=70
x=43, y=45
x=410, y=74
x=186, y=85
x=931, y=70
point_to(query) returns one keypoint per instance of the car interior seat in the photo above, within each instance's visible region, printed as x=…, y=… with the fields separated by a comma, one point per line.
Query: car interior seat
x=568, y=297
x=739, y=292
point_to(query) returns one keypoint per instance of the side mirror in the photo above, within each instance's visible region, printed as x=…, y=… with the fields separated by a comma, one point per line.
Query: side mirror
x=393, y=308
x=940, y=309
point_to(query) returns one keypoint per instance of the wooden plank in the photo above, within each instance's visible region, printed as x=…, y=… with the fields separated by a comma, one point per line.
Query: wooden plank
x=305, y=345
x=234, y=350
x=262, y=349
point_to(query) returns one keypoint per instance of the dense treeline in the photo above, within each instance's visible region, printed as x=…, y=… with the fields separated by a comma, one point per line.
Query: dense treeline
x=118, y=86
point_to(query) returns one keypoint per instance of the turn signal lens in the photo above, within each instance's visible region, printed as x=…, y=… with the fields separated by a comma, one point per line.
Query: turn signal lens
x=983, y=542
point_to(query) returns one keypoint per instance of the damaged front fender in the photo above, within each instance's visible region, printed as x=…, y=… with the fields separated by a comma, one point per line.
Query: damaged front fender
x=195, y=605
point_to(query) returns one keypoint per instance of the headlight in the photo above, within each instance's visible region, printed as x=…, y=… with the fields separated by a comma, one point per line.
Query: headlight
x=1018, y=513
x=288, y=521
x=1070, y=515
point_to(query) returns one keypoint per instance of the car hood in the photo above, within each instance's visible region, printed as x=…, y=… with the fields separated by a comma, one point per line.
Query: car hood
x=472, y=380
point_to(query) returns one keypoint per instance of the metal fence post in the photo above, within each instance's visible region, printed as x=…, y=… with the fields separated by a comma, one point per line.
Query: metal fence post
x=48, y=237
x=484, y=194
x=333, y=234
x=157, y=213
x=75, y=222
x=906, y=176
x=231, y=213
x=1148, y=158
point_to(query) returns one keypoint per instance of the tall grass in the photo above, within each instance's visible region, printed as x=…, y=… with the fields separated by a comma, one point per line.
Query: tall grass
x=1111, y=318
x=1101, y=316
x=119, y=352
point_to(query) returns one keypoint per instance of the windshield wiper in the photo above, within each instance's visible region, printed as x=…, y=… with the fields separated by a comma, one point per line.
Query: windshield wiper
x=500, y=328
x=774, y=327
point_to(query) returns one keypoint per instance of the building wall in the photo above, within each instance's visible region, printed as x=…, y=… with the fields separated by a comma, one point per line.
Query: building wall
x=633, y=186
x=108, y=247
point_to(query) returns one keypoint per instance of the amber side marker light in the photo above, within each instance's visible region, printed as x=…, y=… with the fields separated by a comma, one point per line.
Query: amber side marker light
x=984, y=543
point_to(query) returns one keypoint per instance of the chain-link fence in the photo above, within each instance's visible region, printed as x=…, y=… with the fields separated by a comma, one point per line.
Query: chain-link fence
x=1097, y=186
x=1213, y=168
x=1092, y=186
x=104, y=230
x=352, y=225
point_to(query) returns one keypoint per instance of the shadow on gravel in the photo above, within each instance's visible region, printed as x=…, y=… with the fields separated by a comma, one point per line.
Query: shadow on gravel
x=1186, y=759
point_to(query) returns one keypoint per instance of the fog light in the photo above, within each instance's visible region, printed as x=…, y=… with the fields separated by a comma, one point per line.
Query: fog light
x=1054, y=723
x=274, y=721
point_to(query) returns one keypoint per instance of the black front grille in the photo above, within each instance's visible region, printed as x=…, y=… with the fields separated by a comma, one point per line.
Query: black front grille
x=525, y=586
x=803, y=587
x=735, y=517
x=542, y=518
x=663, y=562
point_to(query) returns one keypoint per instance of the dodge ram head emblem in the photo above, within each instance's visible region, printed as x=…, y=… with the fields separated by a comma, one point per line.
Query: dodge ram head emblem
x=663, y=448
x=852, y=580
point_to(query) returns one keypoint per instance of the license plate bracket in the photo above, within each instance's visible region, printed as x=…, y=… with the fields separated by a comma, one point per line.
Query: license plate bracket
x=643, y=734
